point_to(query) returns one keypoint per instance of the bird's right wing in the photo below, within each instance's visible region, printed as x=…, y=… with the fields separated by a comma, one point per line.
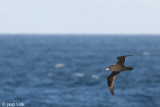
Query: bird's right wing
x=111, y=79
x=121, y=59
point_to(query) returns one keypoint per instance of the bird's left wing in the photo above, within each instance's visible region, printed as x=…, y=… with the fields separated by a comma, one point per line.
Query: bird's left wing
x=111, y=79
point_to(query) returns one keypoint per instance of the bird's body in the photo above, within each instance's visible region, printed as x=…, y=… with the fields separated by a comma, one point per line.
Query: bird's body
x=117, y=68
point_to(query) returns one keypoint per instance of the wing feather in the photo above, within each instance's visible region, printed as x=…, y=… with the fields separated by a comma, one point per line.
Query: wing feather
x=121, y=59
x=111, y=79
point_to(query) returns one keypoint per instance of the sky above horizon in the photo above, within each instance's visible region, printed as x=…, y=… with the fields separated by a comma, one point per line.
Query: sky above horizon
x=79, y=16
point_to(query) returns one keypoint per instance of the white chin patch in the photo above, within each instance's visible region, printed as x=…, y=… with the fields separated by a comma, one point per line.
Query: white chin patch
x=107, y=69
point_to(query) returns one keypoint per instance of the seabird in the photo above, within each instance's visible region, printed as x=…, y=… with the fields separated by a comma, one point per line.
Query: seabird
x=117, y=68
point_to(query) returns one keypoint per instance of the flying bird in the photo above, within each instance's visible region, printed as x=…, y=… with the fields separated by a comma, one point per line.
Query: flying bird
x=117, y=68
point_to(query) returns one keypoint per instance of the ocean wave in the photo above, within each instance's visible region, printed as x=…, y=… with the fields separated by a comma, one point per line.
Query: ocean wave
x=78, y=74
x=59, y=65
x=95, y=77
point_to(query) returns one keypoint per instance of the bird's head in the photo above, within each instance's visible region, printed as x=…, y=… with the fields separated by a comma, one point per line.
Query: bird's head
x=109, y=68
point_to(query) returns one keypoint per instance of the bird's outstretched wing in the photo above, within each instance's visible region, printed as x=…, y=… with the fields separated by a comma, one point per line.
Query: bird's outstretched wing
x=111, y=79
x=121, y=59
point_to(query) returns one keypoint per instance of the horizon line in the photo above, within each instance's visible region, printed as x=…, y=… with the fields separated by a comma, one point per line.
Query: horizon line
x=76, y=34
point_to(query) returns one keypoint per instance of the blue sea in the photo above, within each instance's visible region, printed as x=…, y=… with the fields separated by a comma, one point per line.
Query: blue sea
x=69, y=71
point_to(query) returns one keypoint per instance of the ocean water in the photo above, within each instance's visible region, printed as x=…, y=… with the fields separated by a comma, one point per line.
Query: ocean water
x=69, y=71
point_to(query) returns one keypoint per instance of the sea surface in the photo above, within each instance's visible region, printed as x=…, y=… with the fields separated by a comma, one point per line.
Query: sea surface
x=69, y=71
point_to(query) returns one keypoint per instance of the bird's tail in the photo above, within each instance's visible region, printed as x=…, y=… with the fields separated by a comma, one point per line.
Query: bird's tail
x=129, y=68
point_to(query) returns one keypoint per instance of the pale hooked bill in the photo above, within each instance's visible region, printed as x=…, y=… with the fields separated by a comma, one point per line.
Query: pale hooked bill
x=107, y=69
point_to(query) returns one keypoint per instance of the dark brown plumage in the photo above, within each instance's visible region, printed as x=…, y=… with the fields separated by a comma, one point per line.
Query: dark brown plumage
x=117, y=68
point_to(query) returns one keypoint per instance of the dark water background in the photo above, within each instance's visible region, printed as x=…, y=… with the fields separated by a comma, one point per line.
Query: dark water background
x=69, y=71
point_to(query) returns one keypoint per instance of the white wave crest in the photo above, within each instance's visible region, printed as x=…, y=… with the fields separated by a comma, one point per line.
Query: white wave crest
x=145, y=53
x=95, y=77
x=78, y=74
x=59, y=65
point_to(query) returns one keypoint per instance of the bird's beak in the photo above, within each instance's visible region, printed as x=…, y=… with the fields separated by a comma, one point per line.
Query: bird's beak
x=107, y=69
